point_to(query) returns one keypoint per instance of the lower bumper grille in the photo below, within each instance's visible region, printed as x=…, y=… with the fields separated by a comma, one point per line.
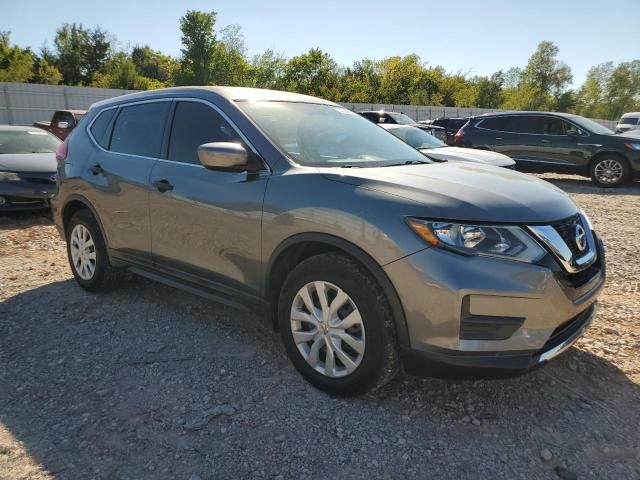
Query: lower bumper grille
x=569, y=328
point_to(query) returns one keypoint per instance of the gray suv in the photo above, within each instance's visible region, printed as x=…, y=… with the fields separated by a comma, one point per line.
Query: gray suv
x=363, y=253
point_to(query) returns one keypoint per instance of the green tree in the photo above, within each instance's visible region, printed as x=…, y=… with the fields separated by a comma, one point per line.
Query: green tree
x=231, y=66
x=44, y=72
x=80, y=53
x=490, y=93
x=16, y=64
x=312, y=73
x=199, y=47
x=154, y=64
x=546, y=74
x=266, y=70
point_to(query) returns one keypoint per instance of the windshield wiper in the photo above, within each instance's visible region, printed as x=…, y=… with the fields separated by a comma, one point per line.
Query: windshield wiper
x=408, y=162
x=350, y=165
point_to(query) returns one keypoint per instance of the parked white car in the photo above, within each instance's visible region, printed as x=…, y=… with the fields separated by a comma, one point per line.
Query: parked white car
x=628, y=121
x=438, y=150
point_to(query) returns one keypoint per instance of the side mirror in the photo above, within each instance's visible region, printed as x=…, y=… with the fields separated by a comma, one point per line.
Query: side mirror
x=223, y=156
x=63, y=124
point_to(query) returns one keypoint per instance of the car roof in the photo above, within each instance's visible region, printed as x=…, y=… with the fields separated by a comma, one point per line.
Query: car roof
x=630, y=114
x=19, y=128
x=526, y=112
x=235, y=94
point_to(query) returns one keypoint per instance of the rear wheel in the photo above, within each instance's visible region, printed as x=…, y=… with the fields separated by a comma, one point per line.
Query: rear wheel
x=336, y=325
x=609, y=171
x=87, y=254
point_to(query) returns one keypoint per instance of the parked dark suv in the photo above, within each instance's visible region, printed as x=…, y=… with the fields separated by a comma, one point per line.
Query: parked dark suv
x=451, y=126
x=556, y=142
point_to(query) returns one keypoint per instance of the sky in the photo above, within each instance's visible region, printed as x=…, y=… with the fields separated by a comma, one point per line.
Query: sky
x=474, y=37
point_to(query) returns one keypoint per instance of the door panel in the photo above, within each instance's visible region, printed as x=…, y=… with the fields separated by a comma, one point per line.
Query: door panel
x=209, y=223
x=121, y=197
x=206, y=223
x=120, y=176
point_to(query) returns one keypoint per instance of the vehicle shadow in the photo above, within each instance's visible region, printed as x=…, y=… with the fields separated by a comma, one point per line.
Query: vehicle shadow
x=125, y=385
x=25, y=219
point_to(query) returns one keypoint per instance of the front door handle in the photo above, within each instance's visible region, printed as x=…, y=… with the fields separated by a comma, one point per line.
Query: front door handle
x=162, y=185
x=544, y=140
x=499, y=138
x=96, y=169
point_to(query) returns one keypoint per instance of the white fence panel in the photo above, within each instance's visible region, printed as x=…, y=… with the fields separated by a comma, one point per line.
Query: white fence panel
x=26, y=103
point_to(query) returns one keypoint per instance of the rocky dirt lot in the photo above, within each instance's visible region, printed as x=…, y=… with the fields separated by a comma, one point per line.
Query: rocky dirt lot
x=148, y=382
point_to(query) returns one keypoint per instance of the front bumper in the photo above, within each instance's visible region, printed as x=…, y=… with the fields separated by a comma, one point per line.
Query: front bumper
x=25, y=195
x=529, y=313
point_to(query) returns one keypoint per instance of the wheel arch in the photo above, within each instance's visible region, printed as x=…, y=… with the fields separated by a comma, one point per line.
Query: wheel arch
x=75, y=203
x=305, y=245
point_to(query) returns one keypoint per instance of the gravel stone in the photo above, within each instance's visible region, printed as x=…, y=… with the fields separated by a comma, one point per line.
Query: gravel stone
x=103, y=386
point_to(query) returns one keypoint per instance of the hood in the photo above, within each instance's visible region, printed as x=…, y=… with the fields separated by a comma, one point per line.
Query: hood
x=465, y=191
x=28, y=162
x=469, y=155
x=632, y=135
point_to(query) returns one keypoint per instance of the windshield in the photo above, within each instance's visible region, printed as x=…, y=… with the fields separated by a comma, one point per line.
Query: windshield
x=629, y=120
x=417, y=138
x=27, y=141
x=590, y=125
x=328, y=136
x=401, y=118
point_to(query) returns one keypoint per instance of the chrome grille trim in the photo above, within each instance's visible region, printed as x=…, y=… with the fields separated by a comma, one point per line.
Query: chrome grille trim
x=548, y=235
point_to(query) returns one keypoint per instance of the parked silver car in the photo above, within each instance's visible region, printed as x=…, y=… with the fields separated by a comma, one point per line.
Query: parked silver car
x=366, y=255
x=438, y=150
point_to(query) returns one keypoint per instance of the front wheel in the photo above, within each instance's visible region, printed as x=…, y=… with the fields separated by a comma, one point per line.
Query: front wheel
x=336, y=325
x=610, y=171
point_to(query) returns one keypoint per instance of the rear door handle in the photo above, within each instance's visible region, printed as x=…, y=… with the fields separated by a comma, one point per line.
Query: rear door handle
x=544, y=140
x=96, y=169
x=162, y=185
x=498, y=138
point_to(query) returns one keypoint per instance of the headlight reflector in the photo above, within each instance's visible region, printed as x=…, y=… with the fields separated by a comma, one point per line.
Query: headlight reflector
x=493, y=240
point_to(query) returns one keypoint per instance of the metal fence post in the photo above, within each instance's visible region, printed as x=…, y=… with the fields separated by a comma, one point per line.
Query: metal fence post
x=8, y=106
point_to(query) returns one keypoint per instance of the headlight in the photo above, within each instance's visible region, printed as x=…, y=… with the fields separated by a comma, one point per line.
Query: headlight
x=632, y=146
x=9, y=177
x=493, y=240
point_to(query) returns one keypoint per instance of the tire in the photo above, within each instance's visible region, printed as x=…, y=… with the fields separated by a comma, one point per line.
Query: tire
x=610, y=171
x=377, y=361
x=98, y=275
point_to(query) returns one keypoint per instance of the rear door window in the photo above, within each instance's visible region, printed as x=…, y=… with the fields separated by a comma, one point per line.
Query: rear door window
x=551, y=126
x=100, y=126
x=194, y=124
x=522, y=124
x=494, y=123
x=138, y=129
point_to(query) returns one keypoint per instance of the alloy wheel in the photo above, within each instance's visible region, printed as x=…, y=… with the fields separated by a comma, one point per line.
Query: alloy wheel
x=327, y=329
x=609, y=171
x=83, y=252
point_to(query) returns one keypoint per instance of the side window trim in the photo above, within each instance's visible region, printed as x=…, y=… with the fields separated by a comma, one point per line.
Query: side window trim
x=112, y=123
x=479, y=125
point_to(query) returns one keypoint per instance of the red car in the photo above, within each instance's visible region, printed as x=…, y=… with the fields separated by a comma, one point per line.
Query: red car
x=62, y=122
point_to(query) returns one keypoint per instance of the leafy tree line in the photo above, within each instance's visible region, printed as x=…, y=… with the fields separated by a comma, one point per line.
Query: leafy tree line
x=91, y=57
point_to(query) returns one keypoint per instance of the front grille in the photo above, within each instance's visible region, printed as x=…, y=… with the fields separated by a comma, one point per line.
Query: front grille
x=566, y=229
x=568, y=329
x=42, y=178
x=22, y=202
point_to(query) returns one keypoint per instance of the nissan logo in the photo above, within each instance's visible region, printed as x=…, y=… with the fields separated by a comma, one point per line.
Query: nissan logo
x=580, y=237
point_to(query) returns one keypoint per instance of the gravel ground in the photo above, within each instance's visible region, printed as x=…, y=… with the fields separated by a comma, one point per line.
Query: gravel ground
x=150, y=382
